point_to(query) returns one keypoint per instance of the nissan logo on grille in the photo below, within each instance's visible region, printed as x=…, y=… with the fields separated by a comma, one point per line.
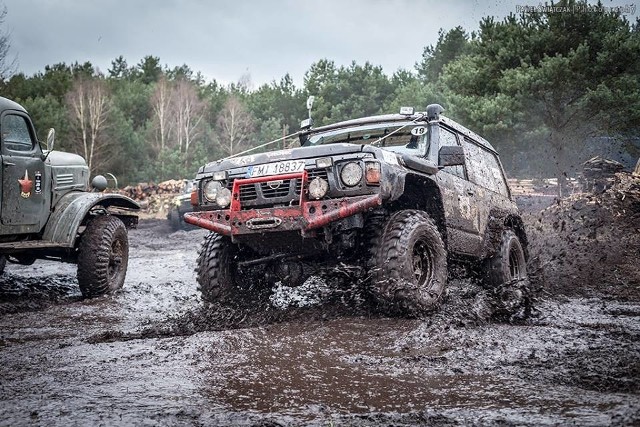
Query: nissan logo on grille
x=274, y=185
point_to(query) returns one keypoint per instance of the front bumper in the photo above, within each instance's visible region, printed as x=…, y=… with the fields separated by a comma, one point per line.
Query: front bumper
x=306, y=216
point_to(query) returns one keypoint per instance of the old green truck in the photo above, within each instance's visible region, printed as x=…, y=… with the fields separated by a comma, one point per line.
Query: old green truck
x=49, y=210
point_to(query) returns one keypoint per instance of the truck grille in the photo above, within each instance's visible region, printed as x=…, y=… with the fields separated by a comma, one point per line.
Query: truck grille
x=247, y=192
x=273, y=189
x=262, y=192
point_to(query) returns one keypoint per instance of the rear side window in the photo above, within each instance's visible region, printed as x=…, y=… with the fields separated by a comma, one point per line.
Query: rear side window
x=448, y=138
x=486, y=169
x=15, y=133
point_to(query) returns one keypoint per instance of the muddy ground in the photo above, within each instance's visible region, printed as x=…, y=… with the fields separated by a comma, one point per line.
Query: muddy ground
x=152, y=354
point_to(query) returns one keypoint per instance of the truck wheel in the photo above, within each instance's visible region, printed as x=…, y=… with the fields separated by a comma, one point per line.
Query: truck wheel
x=219, y=278
x=410, y=262
x=506, y=274
x=103, y=255
x=174, y=220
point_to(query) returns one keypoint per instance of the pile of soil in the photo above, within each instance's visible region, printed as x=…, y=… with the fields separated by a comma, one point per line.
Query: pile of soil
x=588, y=244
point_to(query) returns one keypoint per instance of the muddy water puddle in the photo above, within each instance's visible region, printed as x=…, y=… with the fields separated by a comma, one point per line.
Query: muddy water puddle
x=351, y=366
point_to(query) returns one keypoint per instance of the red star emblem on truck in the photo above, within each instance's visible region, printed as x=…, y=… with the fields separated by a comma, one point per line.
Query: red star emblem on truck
x=25, y=185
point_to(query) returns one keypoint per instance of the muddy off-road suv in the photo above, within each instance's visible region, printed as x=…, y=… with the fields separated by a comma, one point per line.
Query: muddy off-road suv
x=399, y=195
x=48, y=212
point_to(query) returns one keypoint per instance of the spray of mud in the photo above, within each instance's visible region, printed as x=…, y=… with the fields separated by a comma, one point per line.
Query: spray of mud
x=588, y=244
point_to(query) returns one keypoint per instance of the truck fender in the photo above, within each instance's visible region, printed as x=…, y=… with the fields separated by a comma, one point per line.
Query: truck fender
x=499, y=220
x=71, y=210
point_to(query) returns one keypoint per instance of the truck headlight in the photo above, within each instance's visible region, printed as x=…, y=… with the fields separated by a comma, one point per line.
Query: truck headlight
x=318, y=188
x=223, y=199
x=351, y=174
x=211, y=189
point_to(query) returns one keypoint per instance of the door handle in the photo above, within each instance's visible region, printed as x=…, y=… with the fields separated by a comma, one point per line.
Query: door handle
x=9, y=164
x=471, y=192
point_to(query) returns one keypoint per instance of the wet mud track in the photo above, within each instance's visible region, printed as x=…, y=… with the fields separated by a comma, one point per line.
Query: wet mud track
x=153, y=355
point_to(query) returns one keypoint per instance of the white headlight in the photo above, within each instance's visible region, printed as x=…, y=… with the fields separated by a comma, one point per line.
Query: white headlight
x=223, y=199
x=211, y=189
x=351, y=174
x=318, y=188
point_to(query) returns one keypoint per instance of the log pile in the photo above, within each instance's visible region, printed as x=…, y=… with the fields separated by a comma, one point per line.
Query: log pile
x=155, y=199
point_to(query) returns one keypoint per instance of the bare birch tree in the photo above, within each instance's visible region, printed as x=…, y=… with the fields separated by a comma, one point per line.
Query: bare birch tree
x=188, y=111
x=235, y=126
x=7, y=64
x=162, y=100
x=89, y=104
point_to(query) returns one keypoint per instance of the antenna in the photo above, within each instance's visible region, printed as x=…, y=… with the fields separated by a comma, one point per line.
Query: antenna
x=310, y=103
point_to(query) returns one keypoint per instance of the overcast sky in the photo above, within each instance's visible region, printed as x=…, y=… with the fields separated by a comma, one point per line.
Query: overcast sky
x=225, y=39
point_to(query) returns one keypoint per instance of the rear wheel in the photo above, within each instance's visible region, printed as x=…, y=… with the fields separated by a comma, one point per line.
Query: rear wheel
x=506, y=274
x=409, y=264
x=103, y=256
x=175, y=220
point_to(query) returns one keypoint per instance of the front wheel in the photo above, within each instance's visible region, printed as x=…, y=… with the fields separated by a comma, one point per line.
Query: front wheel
x=409, y=264
x=103, y=256
x=219, y=276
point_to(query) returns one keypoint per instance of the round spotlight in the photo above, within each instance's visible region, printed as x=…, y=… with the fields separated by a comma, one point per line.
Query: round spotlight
x=211, y=189
x=223, y=199
x=351, y=174
x=318, y=188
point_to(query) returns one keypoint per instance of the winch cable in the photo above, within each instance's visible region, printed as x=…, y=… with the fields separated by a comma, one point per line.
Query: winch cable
x=374, y=143
x=261, y=145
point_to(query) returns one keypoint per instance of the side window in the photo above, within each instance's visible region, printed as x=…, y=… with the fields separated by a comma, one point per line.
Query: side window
x=15, y=133
x=448, y=138
x=486, y=169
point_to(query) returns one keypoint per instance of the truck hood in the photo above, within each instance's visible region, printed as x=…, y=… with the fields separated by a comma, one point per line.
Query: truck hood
x=60, y=158
x=275, y=156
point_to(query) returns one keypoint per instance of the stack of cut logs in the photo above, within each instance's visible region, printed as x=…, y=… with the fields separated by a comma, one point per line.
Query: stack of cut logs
x=155, y=199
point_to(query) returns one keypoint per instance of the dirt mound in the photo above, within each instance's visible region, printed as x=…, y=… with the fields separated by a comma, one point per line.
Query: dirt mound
x=588, y=244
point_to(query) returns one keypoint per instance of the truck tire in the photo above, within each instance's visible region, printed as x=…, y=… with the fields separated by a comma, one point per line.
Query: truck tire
x=103, y=256
x=175, y=220
x=218, y=275
x=506, y=274
x=410, y=264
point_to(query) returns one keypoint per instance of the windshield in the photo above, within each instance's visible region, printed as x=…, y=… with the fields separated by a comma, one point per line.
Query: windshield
x=398, y=137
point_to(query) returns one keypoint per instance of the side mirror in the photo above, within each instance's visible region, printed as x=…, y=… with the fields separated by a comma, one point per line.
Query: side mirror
x=51, y=138
x=450, y=155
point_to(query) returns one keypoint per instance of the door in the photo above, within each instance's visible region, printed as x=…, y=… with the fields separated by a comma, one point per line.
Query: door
x=460, y=202
x=23, y=201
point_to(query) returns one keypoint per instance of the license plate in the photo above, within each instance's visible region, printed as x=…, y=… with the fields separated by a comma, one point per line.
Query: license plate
x=277, y=168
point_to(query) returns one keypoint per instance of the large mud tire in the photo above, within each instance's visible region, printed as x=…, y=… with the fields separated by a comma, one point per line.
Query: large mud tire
x=506, y=275
x=219, y=278
x=409, y=265
x=103, y=256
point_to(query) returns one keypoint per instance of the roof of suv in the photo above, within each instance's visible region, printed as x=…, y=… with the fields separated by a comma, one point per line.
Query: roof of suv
x=418, y=117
